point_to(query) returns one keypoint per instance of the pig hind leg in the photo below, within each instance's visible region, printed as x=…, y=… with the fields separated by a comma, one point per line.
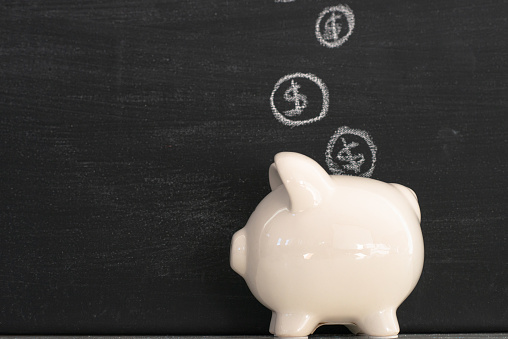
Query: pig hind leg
x=382, y=323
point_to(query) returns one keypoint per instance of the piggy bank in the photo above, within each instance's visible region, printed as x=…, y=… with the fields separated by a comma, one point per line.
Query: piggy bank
x=330, y=249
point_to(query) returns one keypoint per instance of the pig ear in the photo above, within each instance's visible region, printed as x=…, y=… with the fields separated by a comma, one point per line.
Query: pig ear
x=411, y=197
x=274, y=177
x=307, y=183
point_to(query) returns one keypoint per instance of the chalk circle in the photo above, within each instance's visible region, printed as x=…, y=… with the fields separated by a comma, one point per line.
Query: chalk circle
x=344, y=130
x=342, y=9
x=293, y=123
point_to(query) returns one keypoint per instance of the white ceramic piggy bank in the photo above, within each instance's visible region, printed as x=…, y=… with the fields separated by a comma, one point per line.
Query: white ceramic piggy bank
x=330, y=249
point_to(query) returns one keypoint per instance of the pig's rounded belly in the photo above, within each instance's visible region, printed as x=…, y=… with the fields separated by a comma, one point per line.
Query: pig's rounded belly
x=333, y=281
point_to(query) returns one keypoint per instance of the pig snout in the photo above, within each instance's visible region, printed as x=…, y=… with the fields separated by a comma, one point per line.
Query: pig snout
x=238, y=255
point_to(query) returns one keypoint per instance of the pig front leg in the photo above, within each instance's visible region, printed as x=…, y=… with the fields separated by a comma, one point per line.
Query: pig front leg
x=354, y=328
x=293, y=324
x=272, y=323
x=381, y=323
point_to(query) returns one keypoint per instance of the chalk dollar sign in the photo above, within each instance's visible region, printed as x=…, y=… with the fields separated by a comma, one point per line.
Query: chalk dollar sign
x=354, y=161
x=300, y=100
x=332, y=27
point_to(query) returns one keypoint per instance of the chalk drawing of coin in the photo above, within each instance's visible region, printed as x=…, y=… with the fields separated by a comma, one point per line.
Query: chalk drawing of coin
x=299, y=99
x=351, y=152
x=335, y=25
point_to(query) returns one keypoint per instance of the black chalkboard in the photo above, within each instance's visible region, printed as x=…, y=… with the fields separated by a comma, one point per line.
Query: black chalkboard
x=136, y=138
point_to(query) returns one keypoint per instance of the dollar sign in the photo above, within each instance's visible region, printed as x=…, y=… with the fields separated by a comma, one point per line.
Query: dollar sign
x=354, y=161
x=300, y=100
x=332, y=28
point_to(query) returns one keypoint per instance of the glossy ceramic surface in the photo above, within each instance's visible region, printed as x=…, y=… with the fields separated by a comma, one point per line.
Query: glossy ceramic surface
x=323, y=249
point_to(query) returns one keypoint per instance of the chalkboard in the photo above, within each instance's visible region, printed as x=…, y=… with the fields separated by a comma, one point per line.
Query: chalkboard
x=136, y=138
